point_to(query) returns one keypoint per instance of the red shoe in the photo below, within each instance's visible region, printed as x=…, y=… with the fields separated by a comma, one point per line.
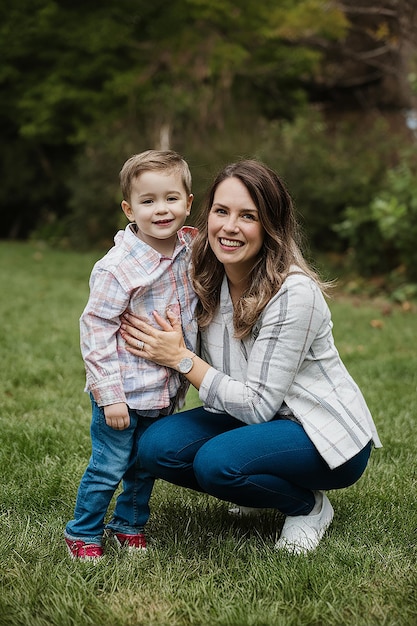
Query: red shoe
x=83, y=551
x=131, y=542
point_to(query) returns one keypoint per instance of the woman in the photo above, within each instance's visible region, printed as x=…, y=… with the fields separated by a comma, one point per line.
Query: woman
x=283, y=421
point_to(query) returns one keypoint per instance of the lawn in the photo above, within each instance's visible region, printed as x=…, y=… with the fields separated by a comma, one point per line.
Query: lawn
x=202, y=567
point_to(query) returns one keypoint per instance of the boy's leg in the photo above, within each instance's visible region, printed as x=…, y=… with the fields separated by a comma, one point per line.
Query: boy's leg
x=111, y=451
x=132, y=506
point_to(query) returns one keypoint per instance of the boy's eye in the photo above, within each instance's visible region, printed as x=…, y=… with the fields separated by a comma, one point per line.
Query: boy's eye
x=172, y=198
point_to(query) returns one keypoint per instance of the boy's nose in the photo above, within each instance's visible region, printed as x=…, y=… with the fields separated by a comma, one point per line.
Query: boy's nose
x=161, y=207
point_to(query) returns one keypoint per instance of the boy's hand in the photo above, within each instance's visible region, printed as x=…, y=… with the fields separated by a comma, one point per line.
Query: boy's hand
x=117, y=416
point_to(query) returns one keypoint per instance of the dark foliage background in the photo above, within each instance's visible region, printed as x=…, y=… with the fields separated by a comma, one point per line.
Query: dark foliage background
x=322, y=91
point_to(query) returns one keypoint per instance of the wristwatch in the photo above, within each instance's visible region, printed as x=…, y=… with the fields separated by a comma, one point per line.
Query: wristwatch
x=185, y=365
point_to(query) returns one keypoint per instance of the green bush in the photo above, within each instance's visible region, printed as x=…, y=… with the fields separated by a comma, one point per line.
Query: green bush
x=328, y=166
x=383, y=234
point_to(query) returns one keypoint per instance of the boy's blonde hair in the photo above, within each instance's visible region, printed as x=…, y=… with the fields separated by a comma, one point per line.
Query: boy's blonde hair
x=153, y=160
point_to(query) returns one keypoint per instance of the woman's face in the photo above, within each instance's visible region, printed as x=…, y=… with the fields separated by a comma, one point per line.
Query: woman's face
x=235, y=232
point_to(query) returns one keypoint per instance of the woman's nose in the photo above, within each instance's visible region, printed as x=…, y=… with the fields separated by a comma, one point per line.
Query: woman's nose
x=231, y=225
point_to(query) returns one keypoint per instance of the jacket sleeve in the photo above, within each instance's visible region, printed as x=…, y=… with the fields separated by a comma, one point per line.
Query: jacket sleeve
x=99, y=324
x=287, y=329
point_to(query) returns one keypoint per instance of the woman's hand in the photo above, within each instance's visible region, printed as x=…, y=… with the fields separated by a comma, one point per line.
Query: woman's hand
x=164, y=346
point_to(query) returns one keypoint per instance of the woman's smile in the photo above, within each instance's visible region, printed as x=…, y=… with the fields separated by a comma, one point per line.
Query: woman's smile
x=230, y=243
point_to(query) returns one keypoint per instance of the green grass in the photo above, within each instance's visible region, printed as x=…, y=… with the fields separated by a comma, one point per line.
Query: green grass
x=202, y=568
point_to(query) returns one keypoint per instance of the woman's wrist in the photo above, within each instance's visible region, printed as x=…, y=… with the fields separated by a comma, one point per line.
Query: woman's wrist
x=185, y=361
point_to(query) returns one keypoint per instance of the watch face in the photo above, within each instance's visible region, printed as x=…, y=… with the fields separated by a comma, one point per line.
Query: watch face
x=185, y=365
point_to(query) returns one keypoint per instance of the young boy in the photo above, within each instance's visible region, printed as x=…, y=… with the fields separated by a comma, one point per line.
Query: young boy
x=146, y=270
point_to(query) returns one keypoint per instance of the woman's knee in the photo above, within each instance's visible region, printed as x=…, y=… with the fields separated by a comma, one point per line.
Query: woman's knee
x=152, y=446
x=167, y=444
x=211, y=468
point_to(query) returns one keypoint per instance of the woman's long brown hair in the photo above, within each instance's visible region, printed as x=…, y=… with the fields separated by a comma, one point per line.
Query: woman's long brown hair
x=280, y=249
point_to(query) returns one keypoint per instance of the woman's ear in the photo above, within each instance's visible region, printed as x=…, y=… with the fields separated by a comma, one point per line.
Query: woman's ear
x=127, y=210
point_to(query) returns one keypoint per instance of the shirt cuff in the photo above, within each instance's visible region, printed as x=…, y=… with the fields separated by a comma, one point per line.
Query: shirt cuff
x=206, y=383
x=109, y=393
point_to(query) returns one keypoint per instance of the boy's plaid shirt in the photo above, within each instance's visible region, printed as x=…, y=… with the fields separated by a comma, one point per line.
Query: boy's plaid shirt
x=133, y=276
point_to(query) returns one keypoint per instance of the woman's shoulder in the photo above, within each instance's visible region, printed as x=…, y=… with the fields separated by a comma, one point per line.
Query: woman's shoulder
x=298, y=290
x=298, y=281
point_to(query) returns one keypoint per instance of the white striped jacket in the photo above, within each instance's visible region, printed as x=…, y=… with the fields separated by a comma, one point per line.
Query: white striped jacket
x=290, y=362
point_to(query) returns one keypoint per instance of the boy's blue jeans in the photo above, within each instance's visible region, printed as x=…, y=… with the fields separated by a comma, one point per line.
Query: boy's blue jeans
x=114, y=458
x=268, y=465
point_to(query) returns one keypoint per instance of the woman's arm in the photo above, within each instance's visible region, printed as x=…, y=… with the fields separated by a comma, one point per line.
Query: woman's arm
x=165, y=347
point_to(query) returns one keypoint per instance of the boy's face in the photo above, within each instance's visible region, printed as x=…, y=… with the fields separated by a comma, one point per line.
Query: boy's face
x=159, y=205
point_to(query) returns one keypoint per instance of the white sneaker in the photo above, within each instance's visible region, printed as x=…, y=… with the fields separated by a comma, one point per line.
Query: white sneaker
x=302, y=533
x=244, y=511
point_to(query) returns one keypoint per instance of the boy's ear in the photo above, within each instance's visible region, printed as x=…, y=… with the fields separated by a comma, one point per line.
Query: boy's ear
x=189, y=203
x=127, y=210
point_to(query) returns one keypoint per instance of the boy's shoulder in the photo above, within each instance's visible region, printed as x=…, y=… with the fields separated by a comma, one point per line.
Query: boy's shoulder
x=123, y=242
x=127, y=251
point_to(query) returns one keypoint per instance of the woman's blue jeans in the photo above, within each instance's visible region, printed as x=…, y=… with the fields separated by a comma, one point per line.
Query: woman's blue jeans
x=268, y=465
x=114, y=458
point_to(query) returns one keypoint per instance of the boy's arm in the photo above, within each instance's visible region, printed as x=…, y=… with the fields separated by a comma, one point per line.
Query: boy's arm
x=99, y=324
